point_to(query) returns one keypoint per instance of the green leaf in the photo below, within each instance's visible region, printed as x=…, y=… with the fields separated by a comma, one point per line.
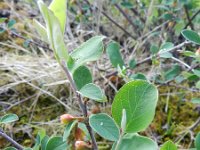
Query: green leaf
x=137, y=142
x=169, y=145
x=105, y=126
x=191, y=36
x=41, y=30
x=56, y=143
x=139, y=99
x=154, y=49
x=59, y=8
x=132, y=63
x=166, y=55
x=2, y=20
x=113, y=52
x=195, y=100
x=138, y=76
x=127, y=5
x=68, y=129
x=172, y=73
x=166, y=46
x=90, y=50
x=8, y=118
x=196, y=72
x=197, y=141
x=54, y=33
x=44, y=142
x=198, y=85
x=189, y=54
x=93, y=92
x=82, y=76
x=11, y=23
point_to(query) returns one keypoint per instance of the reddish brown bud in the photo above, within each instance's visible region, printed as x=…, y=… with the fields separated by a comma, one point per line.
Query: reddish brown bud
x=66, y=118
x=79, y=134
x=81, y=145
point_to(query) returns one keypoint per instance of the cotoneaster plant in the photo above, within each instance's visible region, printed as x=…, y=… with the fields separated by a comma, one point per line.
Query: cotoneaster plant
x=133, y=107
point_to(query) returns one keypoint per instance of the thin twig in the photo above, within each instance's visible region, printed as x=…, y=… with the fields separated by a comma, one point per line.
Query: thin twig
x=82, y=105
x=150, y=57
x=137, y=14
x=109, y=18
x=181, y=62
x=162, y=52
x=192, y=18
x=22, y=37
x=188, y=18
x=13, y=142
x=125, y=15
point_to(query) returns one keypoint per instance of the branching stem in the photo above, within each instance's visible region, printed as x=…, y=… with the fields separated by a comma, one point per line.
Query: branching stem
x=82, y=105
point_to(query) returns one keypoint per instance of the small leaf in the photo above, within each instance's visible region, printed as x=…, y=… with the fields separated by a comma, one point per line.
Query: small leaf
x=137, y=142
x=11, y=23
x=2, y=20
x=127, y=5
x=198, y=85
x=154, y=49
x=191, y=36
x=169, y=145
x=172, y=73
x=68, y=129
x=8, y=118
x=195, y=100
x=113, y=52
x=105, y=126
x=59, y=8
x=196, y=72
x=166, y=46
x=56, y=143
x=138, y=76
x=197, y=141
x=82, y=76
x=132, y=64
x=91, y=50
x=139, y=99
x=93, y=92
x=166, y=55
x=55, y=35
x=189, y=54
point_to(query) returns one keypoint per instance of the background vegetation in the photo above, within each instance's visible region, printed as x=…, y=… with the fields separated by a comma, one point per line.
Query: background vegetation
x=33, y=86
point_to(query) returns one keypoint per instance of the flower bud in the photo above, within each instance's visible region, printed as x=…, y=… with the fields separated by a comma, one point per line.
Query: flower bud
x=66, y=118
x=81, y=145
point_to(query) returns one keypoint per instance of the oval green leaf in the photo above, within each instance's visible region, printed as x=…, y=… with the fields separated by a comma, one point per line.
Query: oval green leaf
x=113, y=52
x=191, y=36
x=93, y=92
x=105, y=126
x=136, y=142
x=82, y=76
x=139, y=99
x=91, y=50
x=8, y=118
x=169, y=145
x=56, y=143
